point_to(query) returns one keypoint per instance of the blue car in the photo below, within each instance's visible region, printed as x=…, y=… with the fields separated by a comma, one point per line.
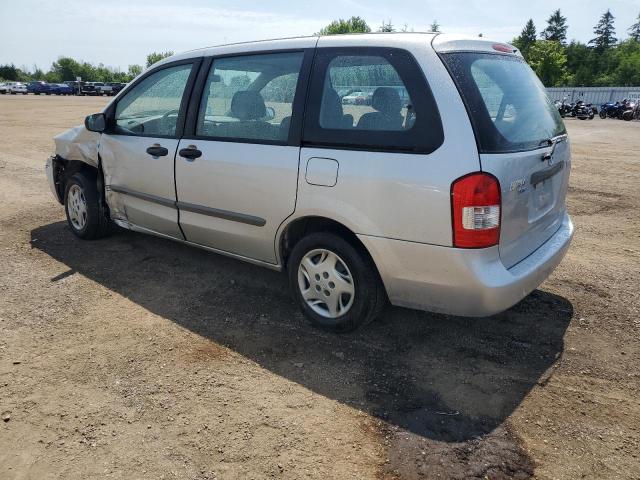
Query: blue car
x=61, y=89
x=39, y=87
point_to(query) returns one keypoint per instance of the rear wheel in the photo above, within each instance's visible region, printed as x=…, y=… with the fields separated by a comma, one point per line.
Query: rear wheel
x=336, y=284
x=85, y=216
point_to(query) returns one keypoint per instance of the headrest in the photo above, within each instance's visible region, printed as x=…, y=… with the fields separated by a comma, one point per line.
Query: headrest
x=248, y=105
x=386, y=100
x=331, y=109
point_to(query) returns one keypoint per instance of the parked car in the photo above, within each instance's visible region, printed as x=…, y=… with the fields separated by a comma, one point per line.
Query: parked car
x=355, y=98
x=61, y=89
x=109, y=88
x=432, y=204
x=88, y=88
x=112, y=88
x=39, y=87
x=13, y=88
x=18, y=87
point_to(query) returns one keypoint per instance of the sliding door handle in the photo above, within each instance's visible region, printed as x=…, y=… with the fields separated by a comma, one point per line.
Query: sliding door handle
x=156, y=150
x=190, y=153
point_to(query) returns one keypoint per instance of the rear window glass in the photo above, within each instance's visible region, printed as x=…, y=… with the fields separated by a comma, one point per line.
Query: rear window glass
x=508, y=105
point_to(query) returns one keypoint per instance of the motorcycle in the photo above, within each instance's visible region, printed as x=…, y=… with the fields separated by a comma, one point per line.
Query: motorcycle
x=582, y=110
x=632, y=111
x=612, y=110
x=563, y=107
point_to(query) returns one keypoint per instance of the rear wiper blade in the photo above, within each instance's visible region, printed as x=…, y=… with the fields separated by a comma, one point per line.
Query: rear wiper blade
x=549, y=142
x=552, y=142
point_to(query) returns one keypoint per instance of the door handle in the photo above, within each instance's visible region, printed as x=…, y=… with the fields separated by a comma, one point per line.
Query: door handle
x=190, y=153
x=156, y=150
x=542, y=175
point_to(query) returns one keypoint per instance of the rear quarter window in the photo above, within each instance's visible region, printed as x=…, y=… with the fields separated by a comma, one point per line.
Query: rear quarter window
x=371, y=98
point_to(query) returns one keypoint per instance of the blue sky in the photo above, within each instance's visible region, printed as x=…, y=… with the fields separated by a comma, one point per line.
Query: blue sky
x=121, y=32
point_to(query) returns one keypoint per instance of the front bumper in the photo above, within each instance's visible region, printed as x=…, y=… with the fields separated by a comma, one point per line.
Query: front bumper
x=465, y=282
x=49, y=170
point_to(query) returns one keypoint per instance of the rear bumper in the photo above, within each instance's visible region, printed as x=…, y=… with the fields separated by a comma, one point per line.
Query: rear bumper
x=465, y=282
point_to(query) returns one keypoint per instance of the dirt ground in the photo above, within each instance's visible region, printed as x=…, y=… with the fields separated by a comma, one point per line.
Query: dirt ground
x=133, y=357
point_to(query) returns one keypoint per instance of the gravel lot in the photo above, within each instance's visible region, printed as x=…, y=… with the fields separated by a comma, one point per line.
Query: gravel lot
x=135, y=357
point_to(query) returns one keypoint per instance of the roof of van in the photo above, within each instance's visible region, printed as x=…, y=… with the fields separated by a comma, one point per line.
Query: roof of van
x=442, y=42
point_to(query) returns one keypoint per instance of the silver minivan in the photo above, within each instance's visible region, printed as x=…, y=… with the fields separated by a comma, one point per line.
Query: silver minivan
x=427, y=170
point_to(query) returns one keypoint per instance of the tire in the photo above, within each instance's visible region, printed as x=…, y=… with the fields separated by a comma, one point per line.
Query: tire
x=360, y=308
x=85, y=216
x=603, y=114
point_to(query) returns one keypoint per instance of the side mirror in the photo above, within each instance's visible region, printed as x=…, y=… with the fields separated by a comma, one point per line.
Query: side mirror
x=96, y=122
x=270, y=113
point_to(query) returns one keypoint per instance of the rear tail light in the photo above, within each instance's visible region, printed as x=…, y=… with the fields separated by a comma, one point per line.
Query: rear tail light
x=475, y=206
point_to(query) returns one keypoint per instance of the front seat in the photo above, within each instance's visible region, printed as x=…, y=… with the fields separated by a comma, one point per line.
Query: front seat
x=386, y=101
x=249, y=108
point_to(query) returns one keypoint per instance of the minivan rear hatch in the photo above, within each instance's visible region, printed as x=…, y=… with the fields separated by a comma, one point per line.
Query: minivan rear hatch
x=521, y=141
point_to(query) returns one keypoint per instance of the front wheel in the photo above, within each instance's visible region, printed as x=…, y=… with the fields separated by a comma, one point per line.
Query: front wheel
x=335, y=283
x=85, y=216
x=603, y=114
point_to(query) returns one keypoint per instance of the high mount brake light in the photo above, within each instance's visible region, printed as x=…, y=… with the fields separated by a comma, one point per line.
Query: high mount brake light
x=499, y=47
x=475, y=206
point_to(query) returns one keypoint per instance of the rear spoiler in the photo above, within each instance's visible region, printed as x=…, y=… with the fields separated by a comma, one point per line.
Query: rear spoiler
x=445, y=43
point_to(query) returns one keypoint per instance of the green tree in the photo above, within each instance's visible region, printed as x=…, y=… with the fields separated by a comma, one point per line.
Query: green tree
x=65, y=68
x=386, y=27
x=634, y=30
x=37, y=74
x=548, y=60
x=9, y=72
x=156, y=57
x=435, y=26
x=628, y=72
x=352, y=25
x=134, y=71
x=580, y=64
x=556, y=28
x=526, y=39
x=605, y=32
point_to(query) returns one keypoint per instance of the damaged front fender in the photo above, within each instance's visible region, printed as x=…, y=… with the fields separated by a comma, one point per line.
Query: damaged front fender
x=76, y=149
x=78, y=144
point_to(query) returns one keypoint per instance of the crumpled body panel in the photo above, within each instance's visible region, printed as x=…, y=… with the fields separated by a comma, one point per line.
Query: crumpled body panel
x=78, y=143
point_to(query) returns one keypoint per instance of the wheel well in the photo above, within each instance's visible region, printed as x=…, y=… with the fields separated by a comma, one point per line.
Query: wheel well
x=65, y=169
x=302, y=227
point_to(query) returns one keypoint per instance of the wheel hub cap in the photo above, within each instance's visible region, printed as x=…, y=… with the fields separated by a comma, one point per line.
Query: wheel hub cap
x=326, y=284
x=77, y=207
